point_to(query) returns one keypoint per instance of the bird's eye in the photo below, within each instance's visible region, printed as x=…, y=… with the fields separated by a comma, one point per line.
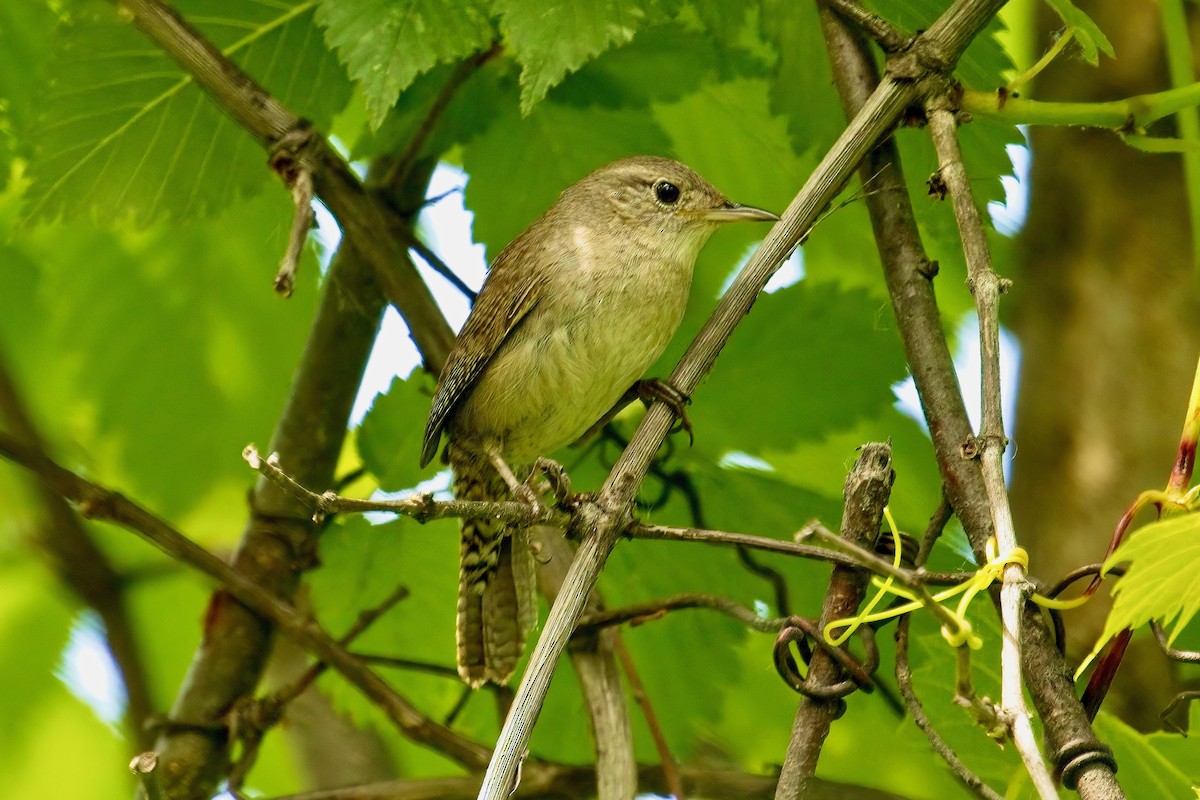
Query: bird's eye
x=666, y=192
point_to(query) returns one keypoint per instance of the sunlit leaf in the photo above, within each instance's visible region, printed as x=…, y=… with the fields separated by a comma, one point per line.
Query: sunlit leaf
x=551, y=39
x=392, y=433
x=386, y=44
x=1162, y=581
x=1088, y=36
x=125, y=133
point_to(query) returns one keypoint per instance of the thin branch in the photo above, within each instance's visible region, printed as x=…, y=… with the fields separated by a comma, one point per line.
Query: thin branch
x=398, y=173
x=421, y=507
x=987, y=287
x=640, y=613
x=670, y=769
x=442, y=268
x=266, y=712
x=909, y=273
x=97, y=502
x=845, y=557
x=889, y=38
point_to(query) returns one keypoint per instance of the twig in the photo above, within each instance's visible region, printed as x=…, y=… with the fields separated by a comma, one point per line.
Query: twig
x=442, y=268
x=868, y=486
x=301, y=183
x=96, y=502
x=987, y=287
x=398, y=173
x=933, y=531
x=143, y=766
x=639, y=613
x=421, y=507
x=904, y=678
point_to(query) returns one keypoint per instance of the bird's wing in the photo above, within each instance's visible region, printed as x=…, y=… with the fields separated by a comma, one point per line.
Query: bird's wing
x=507, y=296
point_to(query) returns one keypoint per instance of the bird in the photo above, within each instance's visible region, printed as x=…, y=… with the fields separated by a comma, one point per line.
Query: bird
x=571, y=314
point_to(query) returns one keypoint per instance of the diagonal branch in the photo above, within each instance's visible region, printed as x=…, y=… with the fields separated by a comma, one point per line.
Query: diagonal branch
x=601, y=523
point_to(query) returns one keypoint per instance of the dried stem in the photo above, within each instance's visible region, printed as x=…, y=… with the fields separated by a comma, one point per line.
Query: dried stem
x=987, y=286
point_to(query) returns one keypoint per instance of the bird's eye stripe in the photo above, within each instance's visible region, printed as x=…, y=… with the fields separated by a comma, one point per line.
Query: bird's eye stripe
x=666, y=192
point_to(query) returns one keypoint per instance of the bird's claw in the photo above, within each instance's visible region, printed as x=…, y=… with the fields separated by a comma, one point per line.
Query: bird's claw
x=653, y=389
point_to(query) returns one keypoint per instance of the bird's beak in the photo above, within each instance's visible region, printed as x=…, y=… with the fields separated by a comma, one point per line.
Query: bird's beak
x=732, y=212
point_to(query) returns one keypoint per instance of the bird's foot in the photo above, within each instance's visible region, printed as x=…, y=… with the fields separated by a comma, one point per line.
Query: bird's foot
x=556, y=476
x=523, y=492
x=652, y=389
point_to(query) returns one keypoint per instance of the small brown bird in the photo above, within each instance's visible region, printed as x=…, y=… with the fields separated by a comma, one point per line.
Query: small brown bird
x=572, y=313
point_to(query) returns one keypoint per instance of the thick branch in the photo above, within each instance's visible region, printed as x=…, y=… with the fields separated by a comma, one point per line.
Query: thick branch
x=868, y=487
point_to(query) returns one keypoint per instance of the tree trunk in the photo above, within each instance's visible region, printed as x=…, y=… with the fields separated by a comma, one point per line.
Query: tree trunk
x=1105, y=308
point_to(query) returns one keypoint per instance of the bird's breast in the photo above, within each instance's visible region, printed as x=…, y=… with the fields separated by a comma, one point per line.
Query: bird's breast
x=600, y=322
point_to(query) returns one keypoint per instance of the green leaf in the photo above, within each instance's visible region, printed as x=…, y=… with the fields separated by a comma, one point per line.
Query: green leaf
x=471, y=109
x=1145, y=772
x=26, y=35
x=642, y=71
x=824, y=350
x=391, y=435
x=385, y=44
x=802, y=84
x=126, y=134
x=553, y=37
x=361, y=565
x=154, y=357
x=549, y=149
x=1162, y=581
x=1088, y=35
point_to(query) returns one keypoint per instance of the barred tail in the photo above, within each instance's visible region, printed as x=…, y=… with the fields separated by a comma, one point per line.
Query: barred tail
x=497, y=601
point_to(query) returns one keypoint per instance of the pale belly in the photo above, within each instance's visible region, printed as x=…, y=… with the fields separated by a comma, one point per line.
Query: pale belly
x=566, y=365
